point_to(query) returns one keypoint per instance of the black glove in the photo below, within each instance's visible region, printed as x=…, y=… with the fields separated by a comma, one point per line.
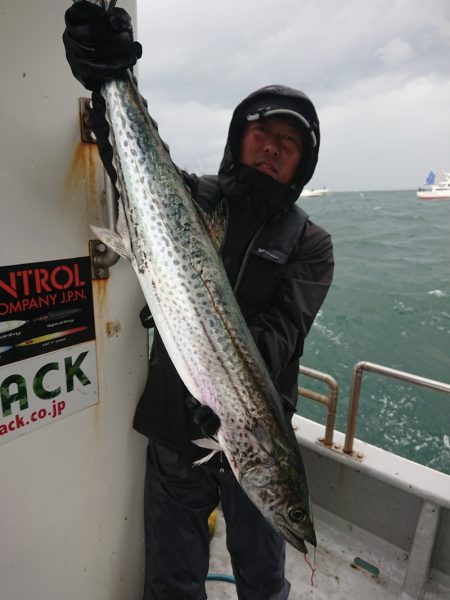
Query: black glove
x=98, y=44
x=146, y=317
x=203, y=416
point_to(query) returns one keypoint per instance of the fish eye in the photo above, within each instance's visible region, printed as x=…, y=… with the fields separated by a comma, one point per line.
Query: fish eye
x=296, y=514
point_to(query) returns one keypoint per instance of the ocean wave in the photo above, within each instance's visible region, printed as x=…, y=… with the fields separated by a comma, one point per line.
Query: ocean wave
x=402, y=308
x=329, y=334
x=389, y=304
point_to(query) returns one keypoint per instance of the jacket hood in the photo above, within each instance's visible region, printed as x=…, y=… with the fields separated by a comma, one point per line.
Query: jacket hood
x=236, y=178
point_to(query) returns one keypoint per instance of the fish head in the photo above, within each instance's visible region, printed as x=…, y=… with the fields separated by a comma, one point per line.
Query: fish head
x=279, y=490
x=296, y=525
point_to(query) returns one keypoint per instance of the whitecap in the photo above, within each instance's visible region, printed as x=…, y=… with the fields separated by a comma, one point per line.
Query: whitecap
x=325, y=331
x=438, y=293
x=402, y=308
x=421, y=447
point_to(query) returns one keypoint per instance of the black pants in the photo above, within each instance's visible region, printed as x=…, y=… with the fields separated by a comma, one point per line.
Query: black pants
x=178, y=500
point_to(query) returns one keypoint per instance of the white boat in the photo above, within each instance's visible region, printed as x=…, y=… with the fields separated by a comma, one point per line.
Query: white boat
x=72, y=481
x=311, y=193
x=435, y=191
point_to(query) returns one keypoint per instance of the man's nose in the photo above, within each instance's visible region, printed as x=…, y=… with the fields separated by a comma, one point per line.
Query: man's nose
x=272, y=145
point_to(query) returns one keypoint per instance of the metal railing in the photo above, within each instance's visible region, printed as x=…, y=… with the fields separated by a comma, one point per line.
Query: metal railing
x=355, y=392
x=329, y=400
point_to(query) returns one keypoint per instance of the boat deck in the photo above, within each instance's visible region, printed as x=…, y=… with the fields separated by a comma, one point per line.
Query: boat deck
x=382, y=526
x=378, y=573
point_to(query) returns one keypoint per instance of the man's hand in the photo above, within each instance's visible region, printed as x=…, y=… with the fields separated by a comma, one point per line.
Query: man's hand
x=203, y=416
x=146, y=318
x=99, y=44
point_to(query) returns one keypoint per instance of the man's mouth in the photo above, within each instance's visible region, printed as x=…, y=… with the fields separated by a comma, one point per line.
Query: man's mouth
x=267, y=167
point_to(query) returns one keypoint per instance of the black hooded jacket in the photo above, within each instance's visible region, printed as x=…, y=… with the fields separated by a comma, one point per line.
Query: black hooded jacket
x=279, y=263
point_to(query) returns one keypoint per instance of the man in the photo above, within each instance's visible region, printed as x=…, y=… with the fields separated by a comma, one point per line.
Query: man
x=280, y=265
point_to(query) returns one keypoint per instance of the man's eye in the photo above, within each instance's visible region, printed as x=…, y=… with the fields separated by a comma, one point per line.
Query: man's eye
x=291, y=140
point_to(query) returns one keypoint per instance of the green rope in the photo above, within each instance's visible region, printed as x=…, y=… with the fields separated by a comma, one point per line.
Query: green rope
x=218, y=577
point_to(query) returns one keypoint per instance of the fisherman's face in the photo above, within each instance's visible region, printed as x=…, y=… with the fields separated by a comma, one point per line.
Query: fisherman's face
x=274, y=146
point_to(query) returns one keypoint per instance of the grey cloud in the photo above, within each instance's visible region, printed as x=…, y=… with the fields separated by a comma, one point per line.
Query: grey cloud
x=362, y=62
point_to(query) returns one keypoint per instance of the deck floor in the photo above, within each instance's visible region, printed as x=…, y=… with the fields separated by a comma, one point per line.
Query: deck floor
x=336, y=577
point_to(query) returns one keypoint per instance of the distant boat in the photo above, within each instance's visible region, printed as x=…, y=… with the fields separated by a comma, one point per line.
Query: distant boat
x=435, y=191
x=309, y=193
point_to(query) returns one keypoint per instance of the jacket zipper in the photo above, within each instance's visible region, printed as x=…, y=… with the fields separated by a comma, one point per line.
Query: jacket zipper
x=246, y=257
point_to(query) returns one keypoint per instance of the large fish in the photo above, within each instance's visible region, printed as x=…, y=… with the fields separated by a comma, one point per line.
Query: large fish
x=185, y=285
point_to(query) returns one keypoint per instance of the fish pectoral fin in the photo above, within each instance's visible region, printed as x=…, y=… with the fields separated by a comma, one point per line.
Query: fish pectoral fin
x=257, y=477
x=113, y=240
x=209, y=444
x=262, y=439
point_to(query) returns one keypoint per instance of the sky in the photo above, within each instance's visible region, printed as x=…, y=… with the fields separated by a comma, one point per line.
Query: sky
x=378, y=72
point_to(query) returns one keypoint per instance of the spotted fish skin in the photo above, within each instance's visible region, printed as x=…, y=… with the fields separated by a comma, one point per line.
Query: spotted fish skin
x=185, y=285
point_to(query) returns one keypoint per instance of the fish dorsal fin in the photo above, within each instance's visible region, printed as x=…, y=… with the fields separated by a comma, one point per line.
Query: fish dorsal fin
x=122, y=229
x=118, y=240
x=113, y=240
x=215, y=223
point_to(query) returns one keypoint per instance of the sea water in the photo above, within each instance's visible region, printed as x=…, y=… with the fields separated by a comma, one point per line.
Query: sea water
x=389, y=304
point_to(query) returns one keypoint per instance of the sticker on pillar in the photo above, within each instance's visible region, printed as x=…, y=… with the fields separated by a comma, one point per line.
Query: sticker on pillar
x=47, y=344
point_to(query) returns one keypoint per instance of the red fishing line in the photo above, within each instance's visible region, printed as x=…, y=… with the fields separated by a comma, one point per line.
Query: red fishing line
x=312, y=566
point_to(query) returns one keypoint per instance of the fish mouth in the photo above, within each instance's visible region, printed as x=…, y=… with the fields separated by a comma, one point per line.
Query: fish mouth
x=295, y=540
x=298, y=540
